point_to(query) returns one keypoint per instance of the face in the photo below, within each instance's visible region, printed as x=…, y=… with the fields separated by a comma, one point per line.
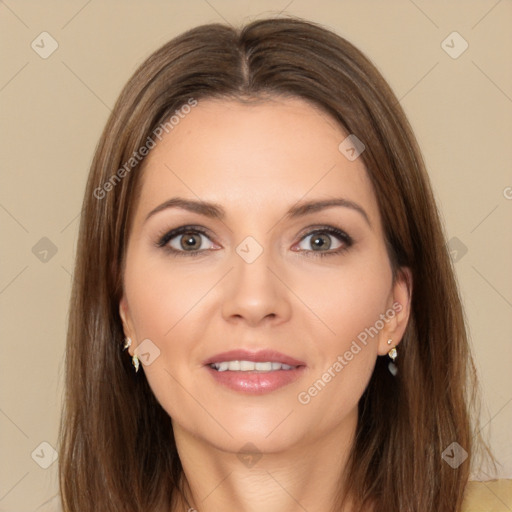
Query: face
x=257, y=272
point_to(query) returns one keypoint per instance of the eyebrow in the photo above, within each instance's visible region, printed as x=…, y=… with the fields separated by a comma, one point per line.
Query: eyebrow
x=216, y=211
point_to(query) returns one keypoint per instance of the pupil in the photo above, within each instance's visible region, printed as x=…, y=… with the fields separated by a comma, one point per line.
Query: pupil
x=320, y=240
x=188, y=241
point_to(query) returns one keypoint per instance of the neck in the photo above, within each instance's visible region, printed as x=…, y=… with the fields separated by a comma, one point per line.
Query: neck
x=307, y=476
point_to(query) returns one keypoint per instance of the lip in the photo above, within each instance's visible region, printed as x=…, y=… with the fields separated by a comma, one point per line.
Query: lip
x=255, y=382
x=259, y=356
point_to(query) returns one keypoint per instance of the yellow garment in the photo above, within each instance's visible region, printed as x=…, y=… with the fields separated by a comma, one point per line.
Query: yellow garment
x=491, y=496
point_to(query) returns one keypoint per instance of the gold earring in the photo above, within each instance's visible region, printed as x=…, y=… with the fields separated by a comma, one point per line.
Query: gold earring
x=135, y=359
x=393, y=353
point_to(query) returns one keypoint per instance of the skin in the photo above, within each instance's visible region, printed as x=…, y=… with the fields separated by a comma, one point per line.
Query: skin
x=256, y=161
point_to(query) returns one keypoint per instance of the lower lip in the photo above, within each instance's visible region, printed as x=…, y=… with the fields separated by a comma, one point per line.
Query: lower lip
x=256, y=383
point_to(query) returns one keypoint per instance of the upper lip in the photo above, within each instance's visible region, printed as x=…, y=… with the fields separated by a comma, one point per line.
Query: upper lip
x=259, y=356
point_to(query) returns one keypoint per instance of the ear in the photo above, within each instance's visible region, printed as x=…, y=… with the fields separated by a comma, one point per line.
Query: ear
x=398, y=311
x=129, y=331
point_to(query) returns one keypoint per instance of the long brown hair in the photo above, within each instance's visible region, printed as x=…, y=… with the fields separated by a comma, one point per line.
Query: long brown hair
x=117, y=450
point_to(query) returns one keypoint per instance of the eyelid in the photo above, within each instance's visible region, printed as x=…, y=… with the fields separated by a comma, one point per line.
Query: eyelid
x=166, y=235
x=346, y=240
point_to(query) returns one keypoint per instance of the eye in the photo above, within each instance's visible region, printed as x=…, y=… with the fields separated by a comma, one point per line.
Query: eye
x=185, y=241
x=190, y=241
x=321, y=241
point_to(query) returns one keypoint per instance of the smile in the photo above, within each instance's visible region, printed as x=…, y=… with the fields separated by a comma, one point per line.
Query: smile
x=250, y=366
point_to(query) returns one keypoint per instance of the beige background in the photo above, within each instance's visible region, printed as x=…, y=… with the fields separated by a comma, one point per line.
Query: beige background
x=54, y=109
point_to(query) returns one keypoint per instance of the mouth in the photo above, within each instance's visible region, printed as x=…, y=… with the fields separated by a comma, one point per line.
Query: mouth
x=250, y=366
x=254, y=372
x=242, y=360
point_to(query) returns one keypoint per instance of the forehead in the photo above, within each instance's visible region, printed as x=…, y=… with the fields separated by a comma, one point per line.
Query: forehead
x=265, y=154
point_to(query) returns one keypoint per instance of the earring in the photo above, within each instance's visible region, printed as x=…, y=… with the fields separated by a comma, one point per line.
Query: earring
x=392, y=354
x=135, y=362
x=135, y=359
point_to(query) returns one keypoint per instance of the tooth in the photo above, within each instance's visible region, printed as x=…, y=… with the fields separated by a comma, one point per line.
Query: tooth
x=246, y=366
x=264, y=366
x=222, y=367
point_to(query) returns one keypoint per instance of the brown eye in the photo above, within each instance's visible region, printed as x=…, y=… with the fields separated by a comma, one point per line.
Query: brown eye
x=190, y=241
x=320, y=241
x=185, y=241
x=325, y=242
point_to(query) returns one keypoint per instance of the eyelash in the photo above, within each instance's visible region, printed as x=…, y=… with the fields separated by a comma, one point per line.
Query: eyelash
x=165, y=237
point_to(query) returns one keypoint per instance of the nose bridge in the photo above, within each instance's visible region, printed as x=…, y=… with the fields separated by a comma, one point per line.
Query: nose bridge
x=252, y=265
x=255, y=292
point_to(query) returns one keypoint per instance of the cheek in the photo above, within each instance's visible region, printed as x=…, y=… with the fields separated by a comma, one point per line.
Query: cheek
x=348, y=299
x=165, y=307
x=160, y=297
x=350, y=302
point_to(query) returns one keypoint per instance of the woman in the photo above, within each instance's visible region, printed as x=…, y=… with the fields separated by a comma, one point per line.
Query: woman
x=264, y=315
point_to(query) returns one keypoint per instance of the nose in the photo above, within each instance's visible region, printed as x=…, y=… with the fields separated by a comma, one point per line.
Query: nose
x=256, y=293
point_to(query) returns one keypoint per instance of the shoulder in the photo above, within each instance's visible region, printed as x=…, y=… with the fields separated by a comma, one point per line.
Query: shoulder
x=493, y=495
